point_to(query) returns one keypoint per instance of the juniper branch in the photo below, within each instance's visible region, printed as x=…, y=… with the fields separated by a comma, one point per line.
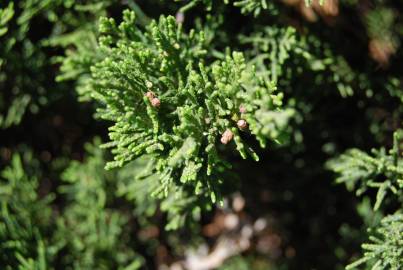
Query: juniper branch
x=168, y=101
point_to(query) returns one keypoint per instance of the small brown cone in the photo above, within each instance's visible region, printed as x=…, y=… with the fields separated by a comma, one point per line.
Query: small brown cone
x=155, y=102
x=150, y=95
x=242, y=124
x=227, y=136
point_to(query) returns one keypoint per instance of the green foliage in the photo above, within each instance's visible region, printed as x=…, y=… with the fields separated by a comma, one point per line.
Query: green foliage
x=382, y=171
x=88, y=233
x=272, y=47
x=246, y=6
x=254, y=6
x=137, y=185
x=10, y=115
x=27, y=89
x=25, y=216
x=381, y=25
x=27, y=58
x=198, y=103
x=287, y=57
x=6, y=14
x=76, y=65
x=385, y=250
x=91, y=230
x=81, y=45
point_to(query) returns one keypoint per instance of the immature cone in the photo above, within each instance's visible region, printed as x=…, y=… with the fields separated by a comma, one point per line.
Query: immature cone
x=155, y=102
x=180, y=17
x=242, y=124
x=150, y=95
x=227, y=136
x=242, y=109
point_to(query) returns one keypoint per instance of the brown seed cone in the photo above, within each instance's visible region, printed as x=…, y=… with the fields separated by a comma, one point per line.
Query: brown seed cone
x=150, y=95
x=227, y=136
x=242, y=124
x=155, y=102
